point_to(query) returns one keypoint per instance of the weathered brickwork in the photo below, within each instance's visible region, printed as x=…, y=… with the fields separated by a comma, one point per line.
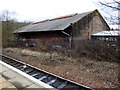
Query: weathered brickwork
x=90, y=24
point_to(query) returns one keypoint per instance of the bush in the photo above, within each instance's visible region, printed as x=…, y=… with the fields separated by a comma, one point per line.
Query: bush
x=8, y=38
x=98, y=50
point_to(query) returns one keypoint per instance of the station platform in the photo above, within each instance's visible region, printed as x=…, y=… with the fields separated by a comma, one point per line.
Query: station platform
x=5, y=84
x=11, y=77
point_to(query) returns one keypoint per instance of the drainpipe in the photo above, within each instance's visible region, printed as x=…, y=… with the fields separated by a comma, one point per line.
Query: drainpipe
x=70, y=42
x=70, y=39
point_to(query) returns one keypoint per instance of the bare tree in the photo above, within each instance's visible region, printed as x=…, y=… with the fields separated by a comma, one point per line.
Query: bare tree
x=113, y=6
x=112, y=10
x=8, y=25
x=7, y=15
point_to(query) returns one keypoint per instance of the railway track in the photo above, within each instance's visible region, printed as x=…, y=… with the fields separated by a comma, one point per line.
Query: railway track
x=46, y=77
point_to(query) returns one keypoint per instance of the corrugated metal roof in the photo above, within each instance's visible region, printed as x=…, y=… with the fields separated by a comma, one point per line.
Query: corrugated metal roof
x=107, y=33
x=53, y=24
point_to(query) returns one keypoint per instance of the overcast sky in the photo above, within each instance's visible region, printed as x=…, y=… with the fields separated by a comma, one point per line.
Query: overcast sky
x=37, y=10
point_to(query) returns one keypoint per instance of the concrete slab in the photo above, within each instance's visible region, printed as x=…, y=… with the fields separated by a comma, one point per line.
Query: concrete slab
x=12, y=87
x=0, y=67
x=5, y=84
x=36, y=89
x=0, y=76
x=2, y=80
x=10, y=74
x=33, y=86
x=0, y=86
x=3, y=69
x=20, y=82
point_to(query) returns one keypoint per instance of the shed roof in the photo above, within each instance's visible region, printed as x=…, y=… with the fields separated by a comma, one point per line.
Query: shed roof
x=107, y=33
x=59, y=23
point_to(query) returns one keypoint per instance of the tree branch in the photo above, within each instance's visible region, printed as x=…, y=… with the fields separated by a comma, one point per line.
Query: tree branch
x=107, y=5
x=116, y=1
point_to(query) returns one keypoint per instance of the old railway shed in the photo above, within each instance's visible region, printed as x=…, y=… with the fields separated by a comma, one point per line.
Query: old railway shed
x=63, y=30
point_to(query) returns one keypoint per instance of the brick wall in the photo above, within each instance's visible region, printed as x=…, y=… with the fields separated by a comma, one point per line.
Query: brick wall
x=46, y=38
x=88, y=25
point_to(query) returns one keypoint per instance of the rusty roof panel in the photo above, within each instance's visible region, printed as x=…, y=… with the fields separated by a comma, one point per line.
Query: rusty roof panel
x=66, y=16
x=41, y=21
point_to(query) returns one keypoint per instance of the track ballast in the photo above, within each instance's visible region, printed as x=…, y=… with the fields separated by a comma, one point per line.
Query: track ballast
x=46, y=77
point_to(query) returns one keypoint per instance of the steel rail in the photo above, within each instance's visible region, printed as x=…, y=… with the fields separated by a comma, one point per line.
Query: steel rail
x=42, y=75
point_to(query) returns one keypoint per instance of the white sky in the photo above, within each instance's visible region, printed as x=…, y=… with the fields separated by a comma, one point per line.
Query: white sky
x=37, y=10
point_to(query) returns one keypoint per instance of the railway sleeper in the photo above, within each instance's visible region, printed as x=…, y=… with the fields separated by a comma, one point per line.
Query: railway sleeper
x=42, y=78
x=29, y=71
x=34, y=74
x=62, y=85
x=52, y=81
x=40, y=75
x=48, y=78
x=57, y=83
